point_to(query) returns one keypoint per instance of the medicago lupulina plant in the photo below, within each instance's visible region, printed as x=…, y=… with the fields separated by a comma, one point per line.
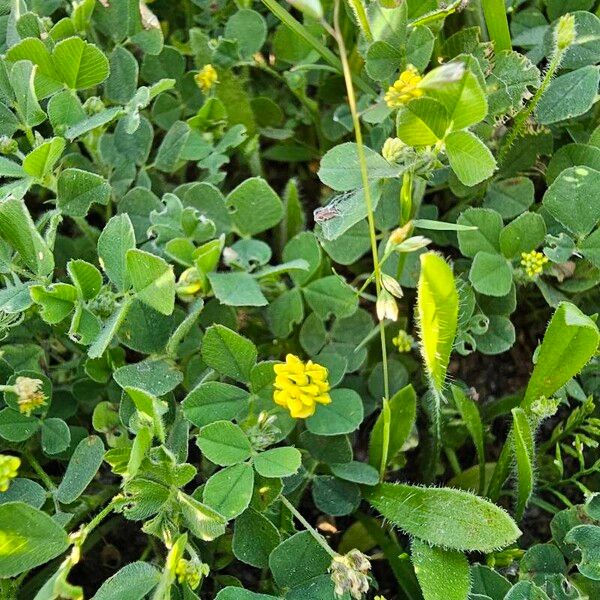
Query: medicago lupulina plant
x=299, y=301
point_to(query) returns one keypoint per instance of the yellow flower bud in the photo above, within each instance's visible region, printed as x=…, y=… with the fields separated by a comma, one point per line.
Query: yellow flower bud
x=300, y=386
x=403, y=341
x=392, y=149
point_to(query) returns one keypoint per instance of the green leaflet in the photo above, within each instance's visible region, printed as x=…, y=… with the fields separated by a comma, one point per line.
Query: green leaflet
x=445, y=517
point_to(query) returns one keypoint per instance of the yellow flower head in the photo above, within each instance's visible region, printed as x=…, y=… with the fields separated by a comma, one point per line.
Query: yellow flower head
x=403, y=341
x=533, y=262
x=8, y=470
x=189, y=284
x=299, y=386
x=191, y=572
x=404, y=88
x=206, y=78
x=30, y=394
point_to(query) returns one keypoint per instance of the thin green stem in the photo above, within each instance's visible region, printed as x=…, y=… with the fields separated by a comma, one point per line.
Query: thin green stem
x=497, y=24
x=523, y=116
x=318, y=537
x=287, y=19
x=35, y=465
x=364, y=174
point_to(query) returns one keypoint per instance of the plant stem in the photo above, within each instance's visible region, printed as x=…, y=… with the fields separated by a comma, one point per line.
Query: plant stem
x=318, y=537
x=35, y=465
x=523, y=115
x=497, y=24
x=287, y=19
x=364, y=174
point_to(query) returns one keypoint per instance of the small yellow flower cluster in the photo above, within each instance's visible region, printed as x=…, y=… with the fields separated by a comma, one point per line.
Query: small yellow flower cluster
x=393, y=149
x=30, y=394
x=191, y=572
x=300, y=386
x=206, y=78
x=404, y=88
x=189, y=284
x=8, y=470
x=533, y=262
x=403, y=341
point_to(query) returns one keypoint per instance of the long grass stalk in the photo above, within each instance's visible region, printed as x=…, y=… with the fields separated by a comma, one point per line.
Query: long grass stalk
x=371, y=222
x=496, y=22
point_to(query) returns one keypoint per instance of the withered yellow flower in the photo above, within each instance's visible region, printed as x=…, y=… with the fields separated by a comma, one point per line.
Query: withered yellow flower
x=300, y=386
x=206, y=78
x=405, y=88
x=29, y=393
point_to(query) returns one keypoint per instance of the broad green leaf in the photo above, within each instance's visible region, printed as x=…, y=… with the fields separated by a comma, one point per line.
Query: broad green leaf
x=18, y=229
x=77, y=190
x=29, y=538
x=254, y=538
x=238, y=593
x=132, y=582
x=237, y=289
x=297, y=560
x=357, y=472
x=523, y=234
x=82, y=468
x=168, y=156
x=568, y=199
x=486, y=236
x=152, y=279
x=229, y=491
x=450, y=518
x=56, y=301
x=340, y=167
x=116, y=239
x=510, y=197
x=587, y=539
x=86, y=278
x=224, y=443
x=204, y=522
x=56, y=435
x=335, y=497
x=464, y=100
x=25, y=490
x=254, y=206
x=442, y=574
x=122, y=81
x=403, y=412
x=423, y=122
x=571, y=339
x=524, y=457
x=41, y=160
x=22, y=77
x=278, y=462
x=569, y=95
x=331, y=295
x=150, y=408
x=79, y=65
x=154, y=375
x=469, y=158
x=491, y=274
x=382, y=60
x=437, y=312
x=228, y=352
x=16, y=427
x=214, y=401
x=109, y=329
x=249, y=28
x=343, y=414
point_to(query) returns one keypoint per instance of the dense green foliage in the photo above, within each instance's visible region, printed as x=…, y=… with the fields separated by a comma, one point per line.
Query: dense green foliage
x=299, y=301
